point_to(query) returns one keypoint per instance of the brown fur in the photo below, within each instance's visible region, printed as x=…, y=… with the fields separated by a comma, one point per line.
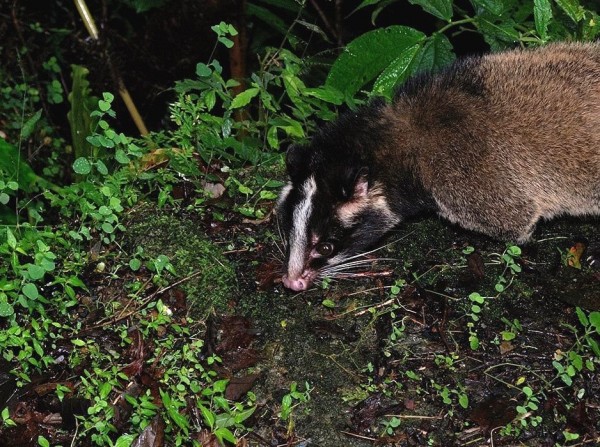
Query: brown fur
x=524, y=147
x=492, y=143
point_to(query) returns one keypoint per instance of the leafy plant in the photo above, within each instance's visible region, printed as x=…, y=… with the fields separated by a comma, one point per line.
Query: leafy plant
x=385, y=57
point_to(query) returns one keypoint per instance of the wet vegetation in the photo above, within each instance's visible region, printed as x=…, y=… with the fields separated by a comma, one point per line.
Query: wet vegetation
x=140, y=276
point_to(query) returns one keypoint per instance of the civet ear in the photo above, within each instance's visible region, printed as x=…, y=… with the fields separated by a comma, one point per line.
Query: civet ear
x=297, y=160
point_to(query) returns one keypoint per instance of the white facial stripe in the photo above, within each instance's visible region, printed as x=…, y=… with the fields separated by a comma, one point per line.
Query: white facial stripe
x=284, y=193
x=299, y=233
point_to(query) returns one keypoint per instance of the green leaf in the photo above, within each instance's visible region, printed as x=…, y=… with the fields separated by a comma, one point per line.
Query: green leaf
x=396, y=72
x=82, y=166
x=328, y=303
x=437, y=53
x=576, y=360
x=439, y=8
x=368, y=55
x=583, y=319
x=6, y=309
x=594, y=318
x=508, y=336
x=108, y=227
x=504, y=31
x=11, y=239
x=125, y=440
x=327, y=94
x=542, y=13
x=207, y=415
x=244, y=98
x=101, y=167
x=572, y=8
x=494, y=6
x=29, y=125
x=35, y=272
x=4, y=198
x=135, y=264
x=463, y=400
x=30, y=291
x=224, y=434
x=43, y=442
x=203, y=70
x=242, y=416
x=105, y=390
x=477, y=298
x=121, y=157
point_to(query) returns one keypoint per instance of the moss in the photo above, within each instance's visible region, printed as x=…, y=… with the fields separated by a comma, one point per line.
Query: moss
x=181, y=240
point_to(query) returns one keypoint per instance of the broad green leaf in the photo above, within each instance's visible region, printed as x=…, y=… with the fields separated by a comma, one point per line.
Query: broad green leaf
x=125, y=440
x=439, y=8
x=30, y=291
x=463, y=400
x=35, y=272
x=504, y=31
x=494, y=6
x=437, y=53
x=572, y=8
x=368, y=55
x=542, y=12
x=327, y=94
x=203, y=70
x=244, y=98
x=396, y=72
x=82, y=166
x=29, y=125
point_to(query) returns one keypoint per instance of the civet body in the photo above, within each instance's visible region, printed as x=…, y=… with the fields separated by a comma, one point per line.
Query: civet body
x=493, y=143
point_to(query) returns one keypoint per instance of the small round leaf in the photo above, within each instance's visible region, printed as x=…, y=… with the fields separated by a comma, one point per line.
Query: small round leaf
x=82, y=166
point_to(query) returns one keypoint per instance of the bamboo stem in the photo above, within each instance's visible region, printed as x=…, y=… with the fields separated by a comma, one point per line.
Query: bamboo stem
x=90, y=25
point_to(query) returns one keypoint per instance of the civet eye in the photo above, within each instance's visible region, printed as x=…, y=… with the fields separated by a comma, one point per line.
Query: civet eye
x=324, y=248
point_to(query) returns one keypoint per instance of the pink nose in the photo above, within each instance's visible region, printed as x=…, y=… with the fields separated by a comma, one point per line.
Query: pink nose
x=295, y=284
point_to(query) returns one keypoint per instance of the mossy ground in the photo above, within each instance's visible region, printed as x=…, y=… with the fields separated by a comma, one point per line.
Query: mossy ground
x=213, y=283
x=361, y=371
x=346, y=353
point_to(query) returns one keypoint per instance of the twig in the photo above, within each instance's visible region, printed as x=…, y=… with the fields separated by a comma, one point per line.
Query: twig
x=356, y=435
x=146, y=300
